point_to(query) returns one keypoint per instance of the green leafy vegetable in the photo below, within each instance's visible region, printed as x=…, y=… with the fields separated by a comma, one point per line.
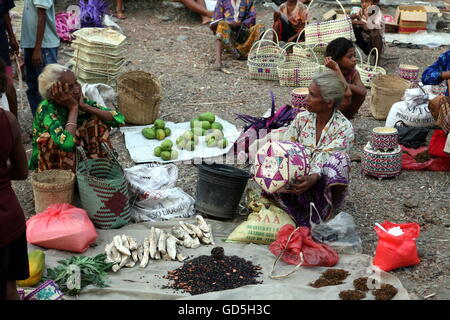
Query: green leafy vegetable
x=93, y=270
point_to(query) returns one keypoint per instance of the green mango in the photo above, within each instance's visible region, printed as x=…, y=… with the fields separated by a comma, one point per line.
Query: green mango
x=157, y=151
x=211, y=142
x=167, y=131
x=166, y=145
x=160, y=134
x=216, y=125
x=166, y=155
x=149, y=133
x=159, y=124
x=206, y=125
x=207, y=116
x=174, y=155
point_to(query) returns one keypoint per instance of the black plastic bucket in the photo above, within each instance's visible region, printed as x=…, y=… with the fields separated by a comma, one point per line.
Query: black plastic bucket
x=219, y=190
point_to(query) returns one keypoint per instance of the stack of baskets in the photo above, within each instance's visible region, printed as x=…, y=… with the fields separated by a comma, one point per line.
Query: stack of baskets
x=382, y=156
x=99, y=54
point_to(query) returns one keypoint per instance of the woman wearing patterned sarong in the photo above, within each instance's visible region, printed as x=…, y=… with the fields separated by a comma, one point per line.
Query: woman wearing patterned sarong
x=327, y=136
x=66, y=119
x=236, y=31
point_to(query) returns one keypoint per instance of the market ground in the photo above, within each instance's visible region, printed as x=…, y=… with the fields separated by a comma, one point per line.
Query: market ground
x=180, y=53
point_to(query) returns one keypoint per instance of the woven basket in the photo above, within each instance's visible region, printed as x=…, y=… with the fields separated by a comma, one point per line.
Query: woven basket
x=297, y=74
x=366, y=71
x=52, y=187
x=298, y=96
x=408, y=72
x=139, y=97
x=327, y=31
x=384, y=138
x=439, y=89
x=381, y=164
x=103, y=190
x=385, y=91
x=264, y=57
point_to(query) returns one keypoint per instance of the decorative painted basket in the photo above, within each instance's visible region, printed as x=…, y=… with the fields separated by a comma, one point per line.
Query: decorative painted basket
x=439, y=89
x=381, y=164
x=408, y=72
x=299, y=97
x=278, y=162
x=384, y=138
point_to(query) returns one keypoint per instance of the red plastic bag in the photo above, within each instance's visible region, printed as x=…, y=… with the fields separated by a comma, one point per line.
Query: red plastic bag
x=394, y=252
x=63, y=227
x=433, y=164
x=291, y=242
x=437, y=144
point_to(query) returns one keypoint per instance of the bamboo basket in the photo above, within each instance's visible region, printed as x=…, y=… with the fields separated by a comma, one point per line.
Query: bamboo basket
x=139, y=97
x=385, y=91
x=52, y=187
x=297, y=74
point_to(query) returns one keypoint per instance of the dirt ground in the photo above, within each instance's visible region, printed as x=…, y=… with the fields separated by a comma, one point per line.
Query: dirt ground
x=180, y=53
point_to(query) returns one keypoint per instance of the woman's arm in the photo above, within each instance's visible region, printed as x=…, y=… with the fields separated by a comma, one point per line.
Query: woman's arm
x=112, y=118
x=18, y=168
x=357, y=87
x=437, y=72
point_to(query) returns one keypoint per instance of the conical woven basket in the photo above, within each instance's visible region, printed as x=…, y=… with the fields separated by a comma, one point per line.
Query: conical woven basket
x=139, y=97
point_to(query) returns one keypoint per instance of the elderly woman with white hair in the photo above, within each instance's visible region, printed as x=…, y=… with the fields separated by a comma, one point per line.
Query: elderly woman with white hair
x=327, y=136
x=66, y=119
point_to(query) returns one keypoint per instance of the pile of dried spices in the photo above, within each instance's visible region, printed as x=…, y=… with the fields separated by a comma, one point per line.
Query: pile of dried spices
x=352, y=295
x=331, y=277
x=361, y=284
x=213, y=273
x=386, y=292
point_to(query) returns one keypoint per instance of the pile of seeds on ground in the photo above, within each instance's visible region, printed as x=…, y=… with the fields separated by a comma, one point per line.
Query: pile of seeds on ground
x=213, y=273
x=352, y=295
x=386, y=292
x=331, y=277
x=361, y=284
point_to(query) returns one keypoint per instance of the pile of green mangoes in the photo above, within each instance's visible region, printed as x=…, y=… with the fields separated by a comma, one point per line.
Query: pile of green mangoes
x=165, y=151
x=205, y=125
x=187, y=141
x=157, y=131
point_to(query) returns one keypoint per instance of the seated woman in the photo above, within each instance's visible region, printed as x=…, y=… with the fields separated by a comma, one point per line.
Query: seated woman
x=435, y=74
x=340, y=57
x=65, y=119
x=295, y=12
x=368, y=25
x=327, y=137
x=237, y=30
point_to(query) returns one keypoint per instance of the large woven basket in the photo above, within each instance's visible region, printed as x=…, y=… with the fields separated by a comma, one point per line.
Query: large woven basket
x=52, y=187
x=297, y=74
x=103, y=190
x=327, y=31
x=385, y=91
x=264, y=57
x=367, y=71
x=381, y=164
x=139, y=97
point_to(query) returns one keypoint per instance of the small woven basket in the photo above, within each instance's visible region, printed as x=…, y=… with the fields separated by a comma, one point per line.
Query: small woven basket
x=408, y=72
x=366, y=71
x=52, y=187
x=264, y=57
x=299, y=98
x=139, y=97
x=384, y=138
x=439, y=89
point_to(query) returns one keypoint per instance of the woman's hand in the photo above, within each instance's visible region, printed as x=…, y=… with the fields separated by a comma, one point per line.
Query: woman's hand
x=36, y=57
x=14, y=45
x=60, y=94
x=330, y=63
x=301, y=185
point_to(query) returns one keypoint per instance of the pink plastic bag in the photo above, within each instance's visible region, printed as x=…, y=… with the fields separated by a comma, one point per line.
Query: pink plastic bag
x=63, y=227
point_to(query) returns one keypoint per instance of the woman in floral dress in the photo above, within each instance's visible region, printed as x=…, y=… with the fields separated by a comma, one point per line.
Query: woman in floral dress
x=327, y=136
x=66, y=119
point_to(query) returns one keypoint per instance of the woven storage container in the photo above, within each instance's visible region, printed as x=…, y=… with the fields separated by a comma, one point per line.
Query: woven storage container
x=384, y=138
x=264, y=57
x=366, y=71
x=297, y=74
x=381, y=164
x=299, y=98
x=327, y=31
x=408, y=72
x=52, y=187
x=385, y=91
x=139, y=97
x=103, y=190
x=439, y=89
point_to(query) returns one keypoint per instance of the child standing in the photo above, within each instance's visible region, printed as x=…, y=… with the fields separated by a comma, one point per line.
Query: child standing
x=368, y=25
x=340, y=57
x=13, y=166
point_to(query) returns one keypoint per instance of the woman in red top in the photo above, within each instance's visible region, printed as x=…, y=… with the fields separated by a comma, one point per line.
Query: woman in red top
x=13, y=166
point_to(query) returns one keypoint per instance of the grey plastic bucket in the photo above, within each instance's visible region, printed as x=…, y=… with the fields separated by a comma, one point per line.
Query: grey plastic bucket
x=219, y=190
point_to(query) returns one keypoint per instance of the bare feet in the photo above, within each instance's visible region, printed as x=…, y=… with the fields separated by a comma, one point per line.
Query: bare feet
x=206, y=20
x=120, y=15
x=217, y=66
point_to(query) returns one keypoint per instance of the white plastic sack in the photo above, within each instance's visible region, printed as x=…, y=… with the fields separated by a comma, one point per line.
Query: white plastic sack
x=413, y=109
x=158, y=198
x=4, y=102
x=101, y=93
